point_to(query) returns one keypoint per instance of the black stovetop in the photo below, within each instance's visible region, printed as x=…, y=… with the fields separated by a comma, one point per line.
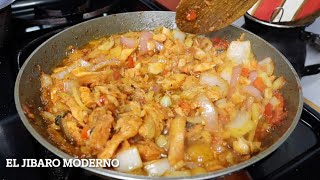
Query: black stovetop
x=297, y=158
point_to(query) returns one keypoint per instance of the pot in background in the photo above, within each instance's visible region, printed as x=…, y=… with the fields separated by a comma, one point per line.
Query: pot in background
x=5, y=19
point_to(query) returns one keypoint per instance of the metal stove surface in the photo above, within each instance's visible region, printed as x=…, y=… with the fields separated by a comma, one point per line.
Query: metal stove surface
x=297, y=158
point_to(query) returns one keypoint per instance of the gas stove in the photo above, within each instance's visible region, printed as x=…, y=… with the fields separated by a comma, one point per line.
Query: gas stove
x=297, y=158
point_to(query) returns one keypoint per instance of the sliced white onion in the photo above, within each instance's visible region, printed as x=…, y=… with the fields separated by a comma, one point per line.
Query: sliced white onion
x=209, y=113
x=128, y=42
x=157, y=167
x=68, y=69
x=178, y=35
x=253, y=91
x=129, y=160
x=110, y=62
x=253, y=75
x=236, y=71
x=165, y=101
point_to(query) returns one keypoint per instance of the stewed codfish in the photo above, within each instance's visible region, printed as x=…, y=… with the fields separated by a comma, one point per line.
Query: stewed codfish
x=163, y=102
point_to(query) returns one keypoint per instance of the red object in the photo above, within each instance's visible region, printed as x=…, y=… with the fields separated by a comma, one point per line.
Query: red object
x=84, y=133
x=265, y=9
x=309, y=7
x=169, y=4
x=191, y=15
x=268, y=111
x=245, y=72
x=220, y=43
x=258, y=83
x=130, y=62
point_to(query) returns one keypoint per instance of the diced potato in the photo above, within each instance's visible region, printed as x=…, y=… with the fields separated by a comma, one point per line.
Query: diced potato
x=156, y=68
x=267, y=93
x=188, y=42
x=278, y=83
x=199, y=54
x=173, y=82
x=125, y=53
x=265, y=79
x=203, y=67
x=176, y=138
x=160, y=37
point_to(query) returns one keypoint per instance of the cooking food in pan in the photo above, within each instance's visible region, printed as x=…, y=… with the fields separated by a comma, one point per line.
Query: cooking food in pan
x=163, y=102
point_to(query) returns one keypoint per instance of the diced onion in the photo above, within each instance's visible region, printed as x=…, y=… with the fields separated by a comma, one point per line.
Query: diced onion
x=178, y=35
x=46, y=80
x=209, y=113
x=239, y=51
x=165, y=101
x=157, y=167
x=128, y=42
x=143, y=41
x=253, y=91
x=236, y=71
x=253, y=75
x=241, y=124
x=129, y=160
x=213, y=80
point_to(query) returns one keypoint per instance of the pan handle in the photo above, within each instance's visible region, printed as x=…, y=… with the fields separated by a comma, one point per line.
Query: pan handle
x=311, y=70
x=311, y=38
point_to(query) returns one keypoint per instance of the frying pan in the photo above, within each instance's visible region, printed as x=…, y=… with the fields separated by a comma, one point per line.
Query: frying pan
x=49, y=55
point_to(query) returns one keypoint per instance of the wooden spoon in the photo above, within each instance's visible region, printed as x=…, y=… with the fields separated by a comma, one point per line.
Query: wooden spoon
x=204, y=16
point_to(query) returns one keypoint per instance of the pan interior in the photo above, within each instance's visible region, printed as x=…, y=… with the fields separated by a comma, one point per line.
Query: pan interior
x=49, y=55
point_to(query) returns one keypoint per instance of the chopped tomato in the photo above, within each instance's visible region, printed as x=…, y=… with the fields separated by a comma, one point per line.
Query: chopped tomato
x=268, y=111
x=245, y=72
x=130, y=62
x=84, y=133
x=191, y=15
x=220, y=43
x=258, y=83
x=275, y=115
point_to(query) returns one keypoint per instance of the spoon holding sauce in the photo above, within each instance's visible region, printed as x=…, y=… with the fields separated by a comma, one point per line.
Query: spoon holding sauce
x=205, y=16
